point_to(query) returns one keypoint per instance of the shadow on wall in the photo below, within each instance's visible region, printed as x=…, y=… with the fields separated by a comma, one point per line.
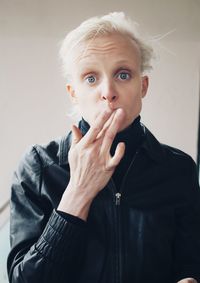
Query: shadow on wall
x=4, y=248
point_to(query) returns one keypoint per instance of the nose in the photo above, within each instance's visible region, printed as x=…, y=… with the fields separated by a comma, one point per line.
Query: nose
x=108, y=92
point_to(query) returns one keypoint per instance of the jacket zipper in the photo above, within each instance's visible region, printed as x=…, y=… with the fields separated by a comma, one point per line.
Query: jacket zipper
x=118, y=196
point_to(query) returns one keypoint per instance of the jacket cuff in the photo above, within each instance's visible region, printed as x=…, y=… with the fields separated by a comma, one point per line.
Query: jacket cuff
x=59, y=238
x=71, y=218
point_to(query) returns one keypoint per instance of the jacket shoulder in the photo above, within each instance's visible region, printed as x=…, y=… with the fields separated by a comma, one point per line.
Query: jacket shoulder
x=164, y=152
x=40, y=154
x=176, y=153
x=51, y=152
x=34, y=159
x=179, y=161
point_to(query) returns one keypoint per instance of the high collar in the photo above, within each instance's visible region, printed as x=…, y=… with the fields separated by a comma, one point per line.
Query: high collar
x=134, y=127
x=132, y=136
x=150, y=144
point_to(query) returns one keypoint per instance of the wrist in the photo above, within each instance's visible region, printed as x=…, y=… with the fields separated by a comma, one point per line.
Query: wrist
x=75, y=202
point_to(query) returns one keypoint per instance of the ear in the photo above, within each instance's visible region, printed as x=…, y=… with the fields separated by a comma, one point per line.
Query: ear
x=145, y=84
x=70, y=90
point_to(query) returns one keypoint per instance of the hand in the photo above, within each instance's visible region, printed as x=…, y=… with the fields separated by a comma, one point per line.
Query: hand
x=187, y=280
x=89, y=157
x=91, y=164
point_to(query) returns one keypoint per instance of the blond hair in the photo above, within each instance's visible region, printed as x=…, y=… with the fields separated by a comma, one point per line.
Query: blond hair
x=115, y=22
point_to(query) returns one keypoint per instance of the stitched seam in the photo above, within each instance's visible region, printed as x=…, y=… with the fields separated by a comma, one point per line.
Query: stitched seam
x=41, y=171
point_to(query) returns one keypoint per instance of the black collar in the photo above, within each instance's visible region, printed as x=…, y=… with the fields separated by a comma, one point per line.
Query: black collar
x=150, y=144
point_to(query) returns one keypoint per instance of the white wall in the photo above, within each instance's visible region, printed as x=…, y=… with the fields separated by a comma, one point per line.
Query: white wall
x=171, y=107
x=33, y=102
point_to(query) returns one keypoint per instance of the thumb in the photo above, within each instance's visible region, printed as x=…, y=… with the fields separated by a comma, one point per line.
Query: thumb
x=76, y=135
x=119, y=153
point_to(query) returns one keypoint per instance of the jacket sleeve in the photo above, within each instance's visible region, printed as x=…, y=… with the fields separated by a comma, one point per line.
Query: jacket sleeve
x=45, y=247
x=187, y=234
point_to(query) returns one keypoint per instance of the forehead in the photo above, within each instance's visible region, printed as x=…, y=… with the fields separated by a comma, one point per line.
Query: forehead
x=110, y=47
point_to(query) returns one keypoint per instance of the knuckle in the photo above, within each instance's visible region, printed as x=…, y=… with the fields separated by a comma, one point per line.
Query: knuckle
x=105, y=115
x=96, y=128
x=108, y=168
x=110, y=135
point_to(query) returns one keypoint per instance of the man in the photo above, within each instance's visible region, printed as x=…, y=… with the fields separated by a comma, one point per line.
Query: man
x=107, y=203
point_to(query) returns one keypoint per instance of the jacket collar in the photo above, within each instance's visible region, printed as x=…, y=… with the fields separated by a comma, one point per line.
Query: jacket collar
x=150, y=144
x=65, y=143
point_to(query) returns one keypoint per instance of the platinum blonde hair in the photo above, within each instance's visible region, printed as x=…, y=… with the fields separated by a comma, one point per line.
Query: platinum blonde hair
x=115, y=22
x=94, y=27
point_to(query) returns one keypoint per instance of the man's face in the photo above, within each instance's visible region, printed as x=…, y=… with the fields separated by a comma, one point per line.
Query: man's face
x=106, y=74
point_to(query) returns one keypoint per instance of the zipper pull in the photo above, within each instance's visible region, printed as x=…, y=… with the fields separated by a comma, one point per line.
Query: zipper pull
x=117, y=198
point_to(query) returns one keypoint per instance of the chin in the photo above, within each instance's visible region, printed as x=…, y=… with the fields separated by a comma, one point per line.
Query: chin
x=123, y=127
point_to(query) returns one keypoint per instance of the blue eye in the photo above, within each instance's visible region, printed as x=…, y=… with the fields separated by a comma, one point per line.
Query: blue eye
x=124, y=76
x=91, y=79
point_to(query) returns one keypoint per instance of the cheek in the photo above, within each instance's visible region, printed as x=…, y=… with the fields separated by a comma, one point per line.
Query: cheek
x=86, y=95
x=87, y=103
x=131, y=97
x=132, y=103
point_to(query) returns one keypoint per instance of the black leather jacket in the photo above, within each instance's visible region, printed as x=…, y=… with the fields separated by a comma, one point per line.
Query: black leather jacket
x=151, y=233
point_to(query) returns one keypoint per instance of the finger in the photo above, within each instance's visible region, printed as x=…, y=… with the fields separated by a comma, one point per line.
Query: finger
x=119, y=153
x=187, y=280
x=105, y=126
x=94, y=130
x=76, y=135
x=111, y=131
